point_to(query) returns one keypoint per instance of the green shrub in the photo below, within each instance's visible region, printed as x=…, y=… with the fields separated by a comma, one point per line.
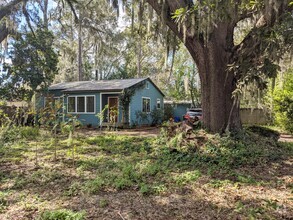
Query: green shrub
x=62, y=214
x=73, y=190
x=142, y=117
x=145, y=189
x=168, y=112
x=122, y=182
x=9, y=135
x=14, y=133
x=187, y=177
x=157, y=116
x=283, y=102
x=94, y=186
x=29, y=132
x=265, y=132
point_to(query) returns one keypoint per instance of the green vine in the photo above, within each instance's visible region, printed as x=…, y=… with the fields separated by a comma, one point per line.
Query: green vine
x=125, y=99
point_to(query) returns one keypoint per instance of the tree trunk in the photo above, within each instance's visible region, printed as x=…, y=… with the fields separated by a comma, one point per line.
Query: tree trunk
x=80, y=70
x=220, y=111
x=139, y=55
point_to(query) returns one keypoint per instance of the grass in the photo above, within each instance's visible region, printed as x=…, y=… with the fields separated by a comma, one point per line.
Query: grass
x=62, y=214
x=136, y=175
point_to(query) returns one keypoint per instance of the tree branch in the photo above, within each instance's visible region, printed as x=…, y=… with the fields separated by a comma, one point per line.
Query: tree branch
x=191, y=43
x=3, y=32
x=27, y=17
x=266, y=21
x=5, y=10
x=72, y=9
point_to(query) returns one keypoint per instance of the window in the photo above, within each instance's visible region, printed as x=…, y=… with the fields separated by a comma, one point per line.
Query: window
x=71, y=104
x=158, y=103
x=146, y=105
x=147, y=85
x=90, y=104
x=81, y=104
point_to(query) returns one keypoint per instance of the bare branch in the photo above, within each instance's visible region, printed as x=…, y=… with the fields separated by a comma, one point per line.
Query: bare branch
x=70, y=3
x=27, y=17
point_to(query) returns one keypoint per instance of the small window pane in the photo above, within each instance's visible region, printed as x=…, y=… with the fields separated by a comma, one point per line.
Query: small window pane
x=71, y=104
x=146, y=105
x=90, y=104
x=80, y=104
x=158, y=103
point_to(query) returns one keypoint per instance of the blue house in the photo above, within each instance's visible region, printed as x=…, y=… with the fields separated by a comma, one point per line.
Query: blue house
x=123, y=101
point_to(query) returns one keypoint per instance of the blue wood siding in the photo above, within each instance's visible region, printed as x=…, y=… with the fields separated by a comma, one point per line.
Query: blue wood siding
x=181, y=109
x=136, y=102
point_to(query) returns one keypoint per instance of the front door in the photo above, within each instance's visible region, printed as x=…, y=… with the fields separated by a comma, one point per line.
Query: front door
x=113, y=109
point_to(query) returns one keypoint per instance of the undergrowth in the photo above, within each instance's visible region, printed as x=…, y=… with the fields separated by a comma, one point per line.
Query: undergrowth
x=147, y=165
x=62, y=214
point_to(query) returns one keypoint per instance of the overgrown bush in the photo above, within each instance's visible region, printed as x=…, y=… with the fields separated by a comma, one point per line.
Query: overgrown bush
x=10, y=134
x=265, y=132
x=29, y=132
x=157, y=116
x=168, y=112
x=283, y=103
x=142, y=117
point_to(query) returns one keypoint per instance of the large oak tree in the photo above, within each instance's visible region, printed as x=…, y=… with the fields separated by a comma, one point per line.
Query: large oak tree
x=208, y=27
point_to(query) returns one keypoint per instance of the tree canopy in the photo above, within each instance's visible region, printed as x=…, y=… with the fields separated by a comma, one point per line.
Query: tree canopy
x=34, y=65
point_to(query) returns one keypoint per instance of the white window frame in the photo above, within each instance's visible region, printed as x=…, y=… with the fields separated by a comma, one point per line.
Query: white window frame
x=142, y=104
x=85, y=103
x=159, y=101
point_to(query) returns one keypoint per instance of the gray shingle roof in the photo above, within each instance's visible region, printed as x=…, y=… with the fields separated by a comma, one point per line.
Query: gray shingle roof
x=101, y=85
